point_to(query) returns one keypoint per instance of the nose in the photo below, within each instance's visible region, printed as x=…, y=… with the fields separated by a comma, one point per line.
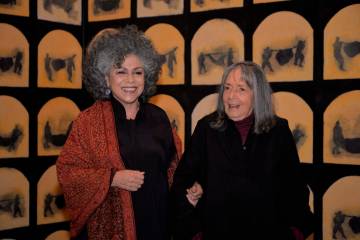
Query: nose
x=232, y=93
x=130, y=78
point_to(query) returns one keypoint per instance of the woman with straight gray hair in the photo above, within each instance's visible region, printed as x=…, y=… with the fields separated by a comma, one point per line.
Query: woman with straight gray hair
x=117, y=164
x=246, y=161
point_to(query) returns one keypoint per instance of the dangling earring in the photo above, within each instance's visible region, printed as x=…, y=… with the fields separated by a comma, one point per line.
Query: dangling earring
x=107, y=91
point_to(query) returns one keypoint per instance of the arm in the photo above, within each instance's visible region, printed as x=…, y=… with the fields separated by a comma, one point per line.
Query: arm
x=293, y=189
x=85, y=181
x=188, y=171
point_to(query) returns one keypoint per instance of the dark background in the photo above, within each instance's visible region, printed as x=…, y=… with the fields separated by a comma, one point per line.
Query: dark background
x=318, y=93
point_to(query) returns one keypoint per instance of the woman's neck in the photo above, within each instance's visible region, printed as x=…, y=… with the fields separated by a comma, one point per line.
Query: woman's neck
x=131, y=110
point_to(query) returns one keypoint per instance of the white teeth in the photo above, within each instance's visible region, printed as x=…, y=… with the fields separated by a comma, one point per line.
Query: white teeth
x=129, y=89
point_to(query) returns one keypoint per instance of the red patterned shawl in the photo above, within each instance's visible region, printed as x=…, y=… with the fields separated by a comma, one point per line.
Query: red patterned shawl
x=85, y=167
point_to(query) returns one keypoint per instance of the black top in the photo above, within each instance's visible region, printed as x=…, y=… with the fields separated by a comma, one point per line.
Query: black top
x=146, y=144
x=251, y=191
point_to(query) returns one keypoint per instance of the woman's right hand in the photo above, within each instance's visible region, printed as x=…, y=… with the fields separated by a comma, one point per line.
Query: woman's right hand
x=130, y=180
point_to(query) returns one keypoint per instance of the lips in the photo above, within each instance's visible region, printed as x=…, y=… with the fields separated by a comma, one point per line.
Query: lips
x=233, y=106
x=129, y=89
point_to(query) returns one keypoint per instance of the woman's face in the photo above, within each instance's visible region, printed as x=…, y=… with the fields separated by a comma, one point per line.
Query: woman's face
x=238, y=97
x=127, y=82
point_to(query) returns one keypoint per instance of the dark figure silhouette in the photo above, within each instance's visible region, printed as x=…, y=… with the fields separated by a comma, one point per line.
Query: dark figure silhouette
x=106, y=5
x=10, y=2
x=230, y=57
x=201, y=63
x=298, y=135
x=12, y=141
x=47, y=204
x=199, y=2
x=266, y=55
x=338, y=220
x=337, y=45
x=352, y=48
x=66, y=5
x=48, y=67
x=70, y=67
x=18, y=63
x=17, y=210
x=351, y=145
x=147, y=3
x=57, y=140
x=299, y=55
x=338, y=138
x=171, y=60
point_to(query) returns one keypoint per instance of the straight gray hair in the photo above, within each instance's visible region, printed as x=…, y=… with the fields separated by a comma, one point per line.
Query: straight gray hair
x=263, y=109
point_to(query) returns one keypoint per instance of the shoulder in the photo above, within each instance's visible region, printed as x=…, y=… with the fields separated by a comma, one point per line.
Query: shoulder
x=281, y=122
x=92, y=113
x=205, y=121
x=281, y=125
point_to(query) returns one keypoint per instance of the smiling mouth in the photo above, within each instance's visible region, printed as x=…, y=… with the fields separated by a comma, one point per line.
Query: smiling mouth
x=129, y=89
x=233, y=106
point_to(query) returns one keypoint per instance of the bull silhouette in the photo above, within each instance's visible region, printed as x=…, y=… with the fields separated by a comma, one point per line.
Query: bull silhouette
x=11, y=142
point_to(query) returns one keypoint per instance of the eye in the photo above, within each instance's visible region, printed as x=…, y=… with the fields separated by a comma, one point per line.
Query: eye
x=139, y=72
x=226, y=87
x=120, y=71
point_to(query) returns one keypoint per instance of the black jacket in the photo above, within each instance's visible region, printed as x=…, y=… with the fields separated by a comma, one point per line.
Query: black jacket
x=251, y=191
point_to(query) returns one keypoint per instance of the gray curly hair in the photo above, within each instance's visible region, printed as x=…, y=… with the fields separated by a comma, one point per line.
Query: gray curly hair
x=109, y=48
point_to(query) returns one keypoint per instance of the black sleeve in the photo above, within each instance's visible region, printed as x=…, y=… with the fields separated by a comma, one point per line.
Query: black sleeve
x=185, y=220
x=293, y=189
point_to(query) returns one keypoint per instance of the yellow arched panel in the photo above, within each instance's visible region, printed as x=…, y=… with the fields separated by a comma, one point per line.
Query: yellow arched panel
x=17, y=8
x=283, y=46
x=50, y=199
x=59, y=61
x=14, y=128
x=60, y=11
x=342, y=129
x=54, y=123
x=14, y=57
x=169, y=42
x=59, y=235
x=210, y=55
x=108, y=10
x=206, y=5
x=14, y=199
x=151, y=8
x=342, y=44
x=340, y=206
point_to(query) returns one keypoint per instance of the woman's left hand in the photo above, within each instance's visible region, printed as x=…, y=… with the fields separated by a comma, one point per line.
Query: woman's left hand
x=194, y=193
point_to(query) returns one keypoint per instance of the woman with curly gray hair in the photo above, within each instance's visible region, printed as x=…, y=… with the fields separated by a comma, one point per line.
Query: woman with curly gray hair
x=117, y=164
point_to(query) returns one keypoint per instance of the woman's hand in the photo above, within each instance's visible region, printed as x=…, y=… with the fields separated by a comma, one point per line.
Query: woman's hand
x=194, y=193
x=130, y=180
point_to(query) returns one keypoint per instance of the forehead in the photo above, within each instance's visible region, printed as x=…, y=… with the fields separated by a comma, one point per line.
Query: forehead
x=235, y=77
